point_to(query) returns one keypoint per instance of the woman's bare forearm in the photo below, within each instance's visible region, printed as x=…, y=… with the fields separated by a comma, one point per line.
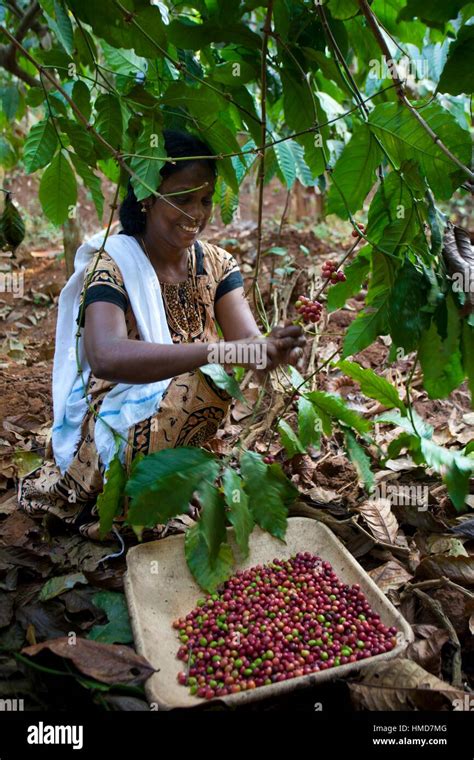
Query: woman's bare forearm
x=135, y=361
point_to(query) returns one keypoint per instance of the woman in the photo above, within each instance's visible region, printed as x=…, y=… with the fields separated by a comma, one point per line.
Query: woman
x=148, y=305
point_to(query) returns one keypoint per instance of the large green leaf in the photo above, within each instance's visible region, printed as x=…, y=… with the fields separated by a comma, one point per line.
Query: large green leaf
x=238, y=514
x=404, y=138
x=368, y=325
x=408, y=296
x=109, y=120
x=58, y=189
x=270, y=493
x=441, y=359
x=118, y=629
x=148, y=164
x=432, y=12
x=286, y=162
x=309, y=432
x=373, y=386
x=336, y=408
x=196, y=550
x=354, y=173
x=359, y=459
x=189, y=35
x=162, y=484
x=290, y=440
x=343, y=9
x=228, y=383
x=91, y=181
x=300, y=114
x=455, y=469
x=458, y=73
x=107, y=22
x=110, y=501
x=40, y=146
x=212, y=519
x=64, y=26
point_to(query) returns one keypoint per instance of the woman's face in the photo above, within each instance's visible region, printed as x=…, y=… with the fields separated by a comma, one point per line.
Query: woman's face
x=179, y=225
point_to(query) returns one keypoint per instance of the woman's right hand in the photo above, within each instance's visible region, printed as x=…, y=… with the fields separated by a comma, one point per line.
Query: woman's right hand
x=284, y=345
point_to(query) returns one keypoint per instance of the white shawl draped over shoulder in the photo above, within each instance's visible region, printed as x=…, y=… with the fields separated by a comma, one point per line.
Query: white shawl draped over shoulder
x=125, y=404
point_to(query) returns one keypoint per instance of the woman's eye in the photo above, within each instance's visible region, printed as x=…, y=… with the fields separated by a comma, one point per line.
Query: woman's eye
x=207, y=201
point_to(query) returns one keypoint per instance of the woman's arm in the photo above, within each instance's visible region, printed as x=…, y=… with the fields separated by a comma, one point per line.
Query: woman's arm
x=113, y=356
x=234, y=316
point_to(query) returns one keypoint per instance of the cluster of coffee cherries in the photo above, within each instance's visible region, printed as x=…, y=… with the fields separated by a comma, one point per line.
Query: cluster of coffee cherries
x=330, y=272
x=355, y=234
x=274, y=622
x=309, y=310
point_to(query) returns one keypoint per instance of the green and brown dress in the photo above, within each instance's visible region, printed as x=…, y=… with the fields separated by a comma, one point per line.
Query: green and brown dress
x=191, y=409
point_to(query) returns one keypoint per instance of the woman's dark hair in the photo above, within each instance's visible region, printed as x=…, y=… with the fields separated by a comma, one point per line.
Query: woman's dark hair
x=177, y=145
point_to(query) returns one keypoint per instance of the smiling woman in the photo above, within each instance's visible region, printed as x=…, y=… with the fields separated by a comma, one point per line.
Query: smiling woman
x=153, y=301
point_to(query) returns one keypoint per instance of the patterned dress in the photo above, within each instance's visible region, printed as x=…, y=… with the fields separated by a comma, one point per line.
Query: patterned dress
x=192, y=407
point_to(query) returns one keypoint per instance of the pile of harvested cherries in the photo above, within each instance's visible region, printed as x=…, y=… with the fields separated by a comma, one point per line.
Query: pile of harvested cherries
x=274, y=622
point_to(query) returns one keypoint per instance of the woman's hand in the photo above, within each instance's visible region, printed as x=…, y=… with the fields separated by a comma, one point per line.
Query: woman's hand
x=284, y=345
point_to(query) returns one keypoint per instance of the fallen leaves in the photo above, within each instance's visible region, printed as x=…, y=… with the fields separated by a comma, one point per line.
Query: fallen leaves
x=107, y=663
x=402, y=684
x=380, y=519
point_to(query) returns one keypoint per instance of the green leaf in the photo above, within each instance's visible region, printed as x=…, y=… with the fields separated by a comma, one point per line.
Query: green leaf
x=407, y=298
x=308, y=423
x=190, y=35
x=208, y=576
x=82, y=98
x=299, y=109
x=91, y=181
x=150, y=147
x=81, y=139
x=110, y=501
x=404, y=138
x=360, y=460
x=336, y=408
x=421, y=429
x=58, y=585
x=455, y=469
x=432, y=11
x=303, y=172
x=220, y=378
x=458, y=73
x=238, y=514
x=212, y=519
x=12, y=226
x=286, y=162
x=228, y=201
x=107, y=22
x=40, y=146
x=343, y=9
x=368, y=325
x=162, y=484
x=356, y=274
x=440, y=359
x=290, y=440
x=109, y=119
x=270, y=493
x=373, y=386
x=58, y=189
x=118, y=629
x=64, y=26
x=354, y=173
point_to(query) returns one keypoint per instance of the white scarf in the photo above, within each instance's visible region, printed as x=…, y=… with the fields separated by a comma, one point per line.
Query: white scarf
x=125, y=404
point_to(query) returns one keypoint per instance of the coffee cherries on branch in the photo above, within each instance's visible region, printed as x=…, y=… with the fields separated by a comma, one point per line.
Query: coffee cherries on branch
x=309, y=310
x=329, y=272
x=269, y=459
x=355, y=234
